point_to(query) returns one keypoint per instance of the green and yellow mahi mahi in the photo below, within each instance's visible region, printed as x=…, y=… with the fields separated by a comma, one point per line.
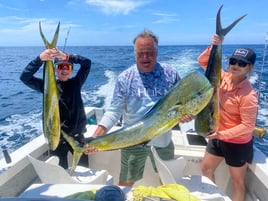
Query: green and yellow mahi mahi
x=51, y=115
x=189, y=96
x=207, y=120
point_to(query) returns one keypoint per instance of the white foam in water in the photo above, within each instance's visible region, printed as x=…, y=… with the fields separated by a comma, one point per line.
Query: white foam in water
x=89, y=97
x=262, y=116
x=107, y=89
x=20, y=129
x=183, y=63
x=253, y=78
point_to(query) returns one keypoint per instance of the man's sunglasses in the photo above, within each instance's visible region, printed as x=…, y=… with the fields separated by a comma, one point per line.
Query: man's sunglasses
x=240, y=63
x=64, y=66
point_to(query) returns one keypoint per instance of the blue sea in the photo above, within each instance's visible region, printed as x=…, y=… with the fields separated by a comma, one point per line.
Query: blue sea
x=21, y=107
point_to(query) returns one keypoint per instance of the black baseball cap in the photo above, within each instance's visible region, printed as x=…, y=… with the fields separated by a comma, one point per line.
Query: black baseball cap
x=245, y=54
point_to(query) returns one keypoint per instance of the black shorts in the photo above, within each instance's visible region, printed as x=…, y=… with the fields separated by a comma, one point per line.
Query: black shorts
x=235, y=155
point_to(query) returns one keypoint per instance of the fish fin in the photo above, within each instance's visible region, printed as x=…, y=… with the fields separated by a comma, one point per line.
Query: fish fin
x=74, y=143
x=54, y=40
x=143, y=144
x=77, y=147
x=176, y=108
x=223, y=31
x=146, y=143
x=156, y=105
x=76, y=157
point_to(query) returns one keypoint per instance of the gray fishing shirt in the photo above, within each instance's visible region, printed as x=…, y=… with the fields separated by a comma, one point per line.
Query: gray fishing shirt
x=135, y=93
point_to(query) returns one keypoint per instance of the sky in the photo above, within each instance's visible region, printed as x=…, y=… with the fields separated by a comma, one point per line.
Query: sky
x=117, y=22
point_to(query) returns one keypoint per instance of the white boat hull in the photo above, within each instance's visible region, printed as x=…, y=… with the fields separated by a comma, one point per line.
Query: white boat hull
x=18, y=175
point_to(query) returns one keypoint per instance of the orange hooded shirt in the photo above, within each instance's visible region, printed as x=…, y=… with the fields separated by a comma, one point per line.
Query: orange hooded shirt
x=238, y=106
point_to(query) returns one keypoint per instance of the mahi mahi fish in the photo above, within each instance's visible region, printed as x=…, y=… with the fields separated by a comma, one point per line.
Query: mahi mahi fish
x=51, y=114
x=207, y=120
x=189, y=96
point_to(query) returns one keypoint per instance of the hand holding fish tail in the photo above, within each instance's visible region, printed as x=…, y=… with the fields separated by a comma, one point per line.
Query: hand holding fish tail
x=50, y=54
x=217, y=40
x=47, y=54
x=90, y=150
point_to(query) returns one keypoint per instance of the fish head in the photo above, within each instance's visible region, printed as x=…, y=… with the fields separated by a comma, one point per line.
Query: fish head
x=196, y=93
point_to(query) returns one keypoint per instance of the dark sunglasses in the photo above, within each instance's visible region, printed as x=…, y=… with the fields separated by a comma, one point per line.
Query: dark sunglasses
x=149, y=53
x=64, y=66
x=240, y=63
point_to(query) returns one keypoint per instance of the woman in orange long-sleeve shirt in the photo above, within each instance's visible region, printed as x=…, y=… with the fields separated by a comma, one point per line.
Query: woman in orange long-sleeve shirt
x=233, y=140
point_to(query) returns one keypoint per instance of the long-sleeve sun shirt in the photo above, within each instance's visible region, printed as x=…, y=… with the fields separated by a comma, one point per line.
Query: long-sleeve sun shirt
x=136, y=93
x=238, y=106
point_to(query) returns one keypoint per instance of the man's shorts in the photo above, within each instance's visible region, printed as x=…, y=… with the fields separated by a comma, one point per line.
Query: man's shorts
x=236, y=155
x=133, y=160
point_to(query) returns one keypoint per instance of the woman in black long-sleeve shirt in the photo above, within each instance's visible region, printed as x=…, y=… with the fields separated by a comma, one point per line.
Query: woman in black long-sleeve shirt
x=72, y=115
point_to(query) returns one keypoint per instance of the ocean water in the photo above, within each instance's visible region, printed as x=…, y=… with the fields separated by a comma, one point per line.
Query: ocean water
x=21, y=107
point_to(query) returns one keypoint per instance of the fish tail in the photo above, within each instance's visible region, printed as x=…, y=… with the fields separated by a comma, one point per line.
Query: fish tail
x=223, y=31
x=78, y=150
x=76, y=157
x=55, y=37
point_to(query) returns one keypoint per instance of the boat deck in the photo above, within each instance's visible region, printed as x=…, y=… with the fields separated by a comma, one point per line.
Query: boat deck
x=19, y=175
